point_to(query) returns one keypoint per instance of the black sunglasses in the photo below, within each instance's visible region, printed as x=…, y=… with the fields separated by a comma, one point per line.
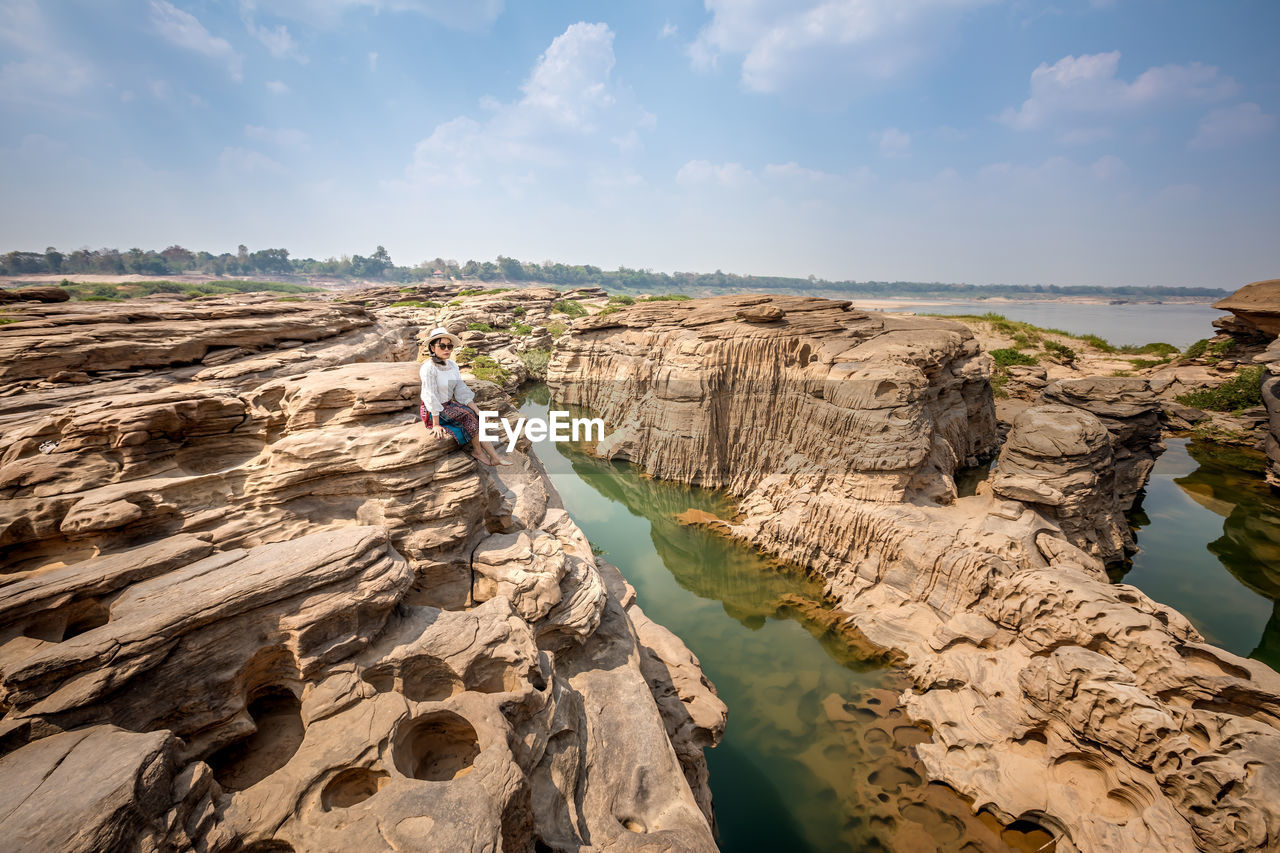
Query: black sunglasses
x=443, y=344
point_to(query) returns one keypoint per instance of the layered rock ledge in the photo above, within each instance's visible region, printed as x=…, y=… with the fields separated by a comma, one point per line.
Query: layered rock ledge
x=1053, y=695
x=249, y=604
x=1256, y=309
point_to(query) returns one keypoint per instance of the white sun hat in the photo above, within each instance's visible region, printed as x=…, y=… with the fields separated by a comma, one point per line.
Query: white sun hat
x=442, y=332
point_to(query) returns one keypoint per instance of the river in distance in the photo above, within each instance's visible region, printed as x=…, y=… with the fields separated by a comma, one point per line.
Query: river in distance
x=1177, y=323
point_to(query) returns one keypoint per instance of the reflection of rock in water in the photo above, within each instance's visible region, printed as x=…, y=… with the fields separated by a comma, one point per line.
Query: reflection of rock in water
x=1228, y=483
x=707, y=566
x=857, y=752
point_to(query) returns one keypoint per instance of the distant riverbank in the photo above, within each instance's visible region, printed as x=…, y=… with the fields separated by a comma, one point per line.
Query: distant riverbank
x=1177, y=323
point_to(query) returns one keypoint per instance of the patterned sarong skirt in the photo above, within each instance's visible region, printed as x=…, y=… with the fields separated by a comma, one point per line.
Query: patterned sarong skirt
x=456, y=418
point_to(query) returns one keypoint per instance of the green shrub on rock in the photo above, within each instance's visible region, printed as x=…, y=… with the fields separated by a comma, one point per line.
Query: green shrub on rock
x=536, y=361
x=570, y=308
x=1061, y=351
x=1242, y=391
x=486, y=369
x=1011, y=357
x=1197, y=349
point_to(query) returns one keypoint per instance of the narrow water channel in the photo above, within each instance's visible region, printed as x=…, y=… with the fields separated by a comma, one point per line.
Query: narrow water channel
x=816, y=757
x=1208, y=530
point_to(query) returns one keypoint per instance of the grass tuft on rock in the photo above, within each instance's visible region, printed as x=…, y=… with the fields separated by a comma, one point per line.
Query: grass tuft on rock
x=569, y=308
x=1242, y=391
x=1011, y=357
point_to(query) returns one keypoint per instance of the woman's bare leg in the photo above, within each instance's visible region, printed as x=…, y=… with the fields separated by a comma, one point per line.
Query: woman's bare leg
x=494, y=458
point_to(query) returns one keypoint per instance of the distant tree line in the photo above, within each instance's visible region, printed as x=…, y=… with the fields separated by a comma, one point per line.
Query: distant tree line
x=176, y=260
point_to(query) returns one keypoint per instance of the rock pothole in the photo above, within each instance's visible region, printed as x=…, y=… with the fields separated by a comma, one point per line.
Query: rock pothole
x=351, y=787
x=277, y=713
x=436, y=747
x=633, y=824
x=420, y=679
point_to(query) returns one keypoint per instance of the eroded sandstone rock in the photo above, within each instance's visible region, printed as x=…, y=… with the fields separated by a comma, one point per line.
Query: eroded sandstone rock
x=1059, y=459
x=1130, y=411
x=1052, y=694
x=283, y=617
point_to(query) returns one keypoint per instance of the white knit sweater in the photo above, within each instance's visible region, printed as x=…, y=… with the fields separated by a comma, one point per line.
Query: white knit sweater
x=442, y=384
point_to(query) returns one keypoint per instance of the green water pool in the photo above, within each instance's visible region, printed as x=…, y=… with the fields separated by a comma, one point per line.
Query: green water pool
x=1208, y=530
x=817, y=754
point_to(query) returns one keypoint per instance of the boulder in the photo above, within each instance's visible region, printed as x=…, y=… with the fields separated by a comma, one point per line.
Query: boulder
x=1257, y=305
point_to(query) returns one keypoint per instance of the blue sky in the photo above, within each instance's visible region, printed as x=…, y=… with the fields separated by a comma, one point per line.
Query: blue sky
x=1070, y=141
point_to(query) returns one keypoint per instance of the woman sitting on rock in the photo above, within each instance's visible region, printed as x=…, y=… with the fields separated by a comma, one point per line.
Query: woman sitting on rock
x=446, y=399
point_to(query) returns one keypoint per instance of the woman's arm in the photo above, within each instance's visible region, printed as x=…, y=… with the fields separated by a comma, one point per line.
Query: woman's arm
x=431, y=390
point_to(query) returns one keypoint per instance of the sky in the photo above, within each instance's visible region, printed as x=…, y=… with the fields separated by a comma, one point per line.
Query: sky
x=1070, y=142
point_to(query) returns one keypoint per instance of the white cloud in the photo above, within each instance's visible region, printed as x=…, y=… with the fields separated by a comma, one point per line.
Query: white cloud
x=781, y=180
x=789, y=44
x=1085, y=85
x=458, y=14
x=283, y=137
x=570, y=83
x=277, y=87
x=668, y=30
x=701, y=172
x=45, y=71
x=1056, y=174
x=247, y=161
x=570, y=115
x=792, y=171
x=1232, y=126
x=373, y=60
x=184, y=30
x=277, y=41
x=894, y=142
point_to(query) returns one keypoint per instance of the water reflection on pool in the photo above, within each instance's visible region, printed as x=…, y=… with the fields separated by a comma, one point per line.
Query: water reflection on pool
x=1208, y=530
x=816, y=756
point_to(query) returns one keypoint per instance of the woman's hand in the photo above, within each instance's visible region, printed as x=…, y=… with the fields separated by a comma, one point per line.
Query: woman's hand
x=439, y=432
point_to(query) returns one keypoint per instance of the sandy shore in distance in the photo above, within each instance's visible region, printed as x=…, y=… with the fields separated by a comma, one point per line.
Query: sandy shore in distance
x=883, y=303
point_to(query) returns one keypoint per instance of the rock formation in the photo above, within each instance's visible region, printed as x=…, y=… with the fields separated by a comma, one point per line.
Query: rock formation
x=248, y=603
x=1054, y=696
x=1257, y=307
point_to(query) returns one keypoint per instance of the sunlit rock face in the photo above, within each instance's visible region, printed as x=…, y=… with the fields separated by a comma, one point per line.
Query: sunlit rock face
x=1053, y=695
x=248, y=603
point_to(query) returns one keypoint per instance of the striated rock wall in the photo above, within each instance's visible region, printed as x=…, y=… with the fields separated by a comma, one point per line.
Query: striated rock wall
x=1054, y=696
x=247, y=603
